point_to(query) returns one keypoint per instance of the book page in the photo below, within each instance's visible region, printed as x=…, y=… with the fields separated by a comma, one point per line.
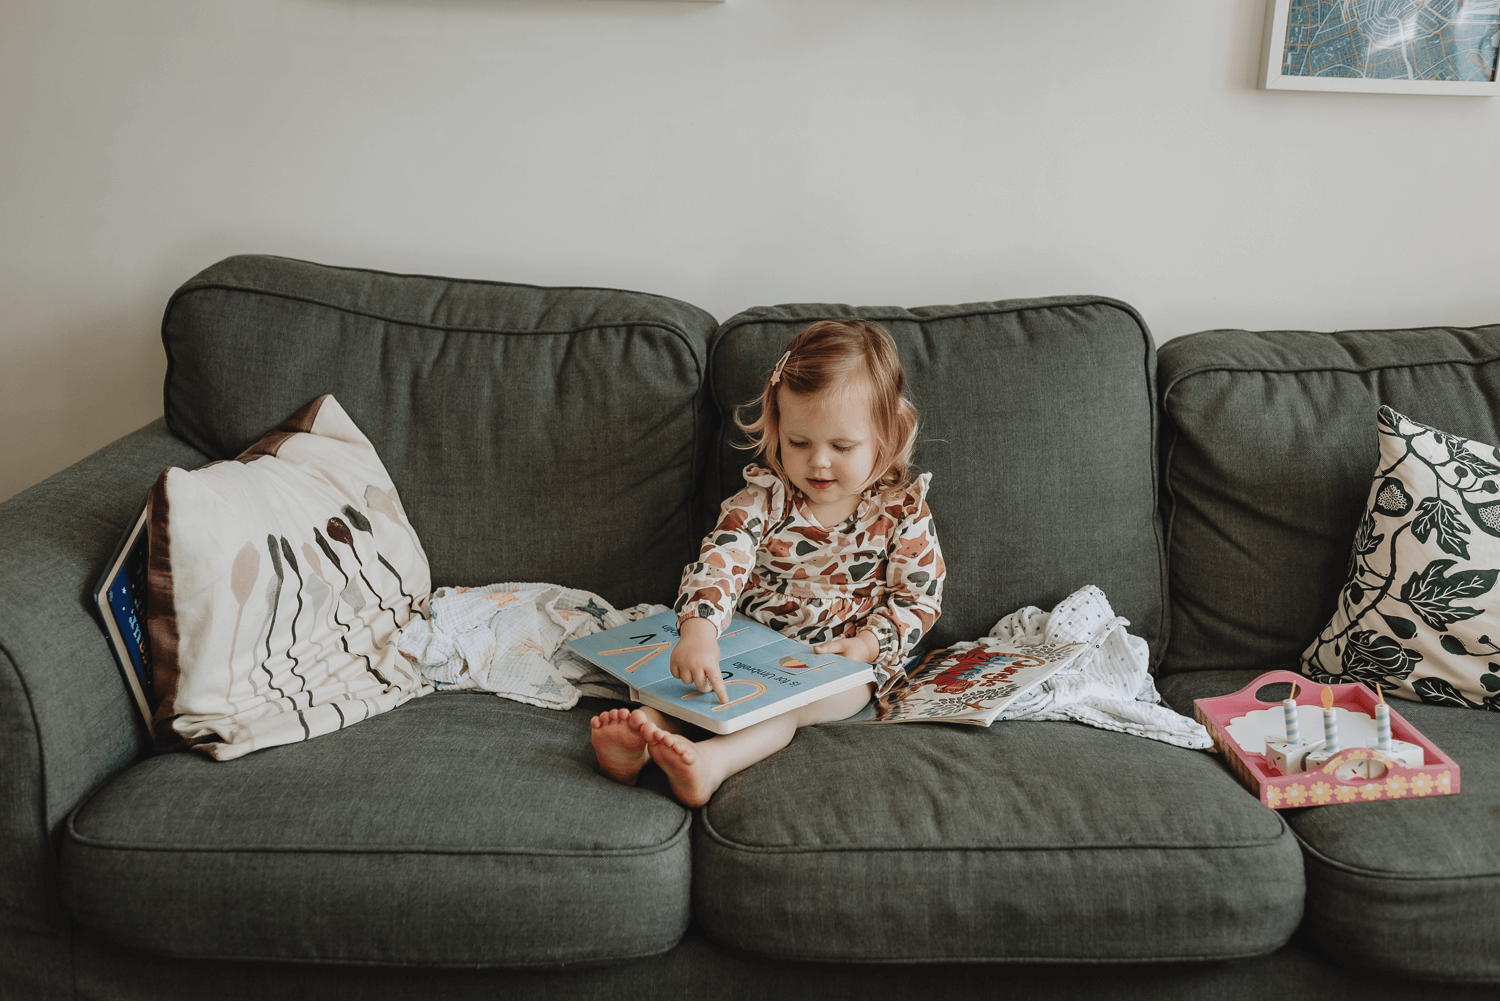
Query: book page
x=969, y=685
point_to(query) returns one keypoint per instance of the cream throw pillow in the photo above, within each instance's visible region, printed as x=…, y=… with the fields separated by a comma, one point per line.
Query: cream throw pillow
x=1419, y=613
x=277, y=584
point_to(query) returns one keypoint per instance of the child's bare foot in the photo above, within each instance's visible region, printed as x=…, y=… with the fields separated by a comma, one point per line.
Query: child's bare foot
x=679, y=758
x=619, y=745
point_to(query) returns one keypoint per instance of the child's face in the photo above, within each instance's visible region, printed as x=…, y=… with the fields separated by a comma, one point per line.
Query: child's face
x=828, y=446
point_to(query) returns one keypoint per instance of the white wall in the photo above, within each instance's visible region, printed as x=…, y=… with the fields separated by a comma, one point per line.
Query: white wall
x=735, y=154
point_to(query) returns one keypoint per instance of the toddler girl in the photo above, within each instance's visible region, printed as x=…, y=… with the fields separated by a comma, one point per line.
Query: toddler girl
x=832, y=544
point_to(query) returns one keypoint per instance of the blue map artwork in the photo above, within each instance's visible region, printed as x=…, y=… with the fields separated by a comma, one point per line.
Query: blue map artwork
x=1392, y=39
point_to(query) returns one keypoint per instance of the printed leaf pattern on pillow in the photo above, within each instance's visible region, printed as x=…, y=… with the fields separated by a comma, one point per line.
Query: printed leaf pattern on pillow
x=1431, y=594
x=1420, y=600
x=1437, y=516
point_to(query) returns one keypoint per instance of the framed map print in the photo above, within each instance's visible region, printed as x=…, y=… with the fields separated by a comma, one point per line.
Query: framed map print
x=1382, y=46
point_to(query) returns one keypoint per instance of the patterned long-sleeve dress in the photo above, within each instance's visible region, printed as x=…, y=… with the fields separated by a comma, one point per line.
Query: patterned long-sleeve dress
x=881, y=569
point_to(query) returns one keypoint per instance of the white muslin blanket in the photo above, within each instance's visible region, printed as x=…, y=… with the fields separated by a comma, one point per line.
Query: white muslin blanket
x=1109, y=686
x=508, y=639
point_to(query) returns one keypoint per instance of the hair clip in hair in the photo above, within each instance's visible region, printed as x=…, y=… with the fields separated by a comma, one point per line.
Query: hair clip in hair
x=776, y=372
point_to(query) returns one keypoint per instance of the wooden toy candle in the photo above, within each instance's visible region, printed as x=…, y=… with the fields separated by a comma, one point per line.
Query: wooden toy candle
x=1401, y=751
x=1289, y=756
x=1330, y=723
x=1330, y=746
x=1289, y=715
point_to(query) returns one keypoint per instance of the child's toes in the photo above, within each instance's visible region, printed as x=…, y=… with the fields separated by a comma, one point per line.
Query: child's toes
x=680, y=746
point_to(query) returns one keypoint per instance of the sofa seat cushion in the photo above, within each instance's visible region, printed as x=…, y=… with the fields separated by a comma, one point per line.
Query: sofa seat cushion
x=1409, y=886
x=457, y=829
x=1021, y=842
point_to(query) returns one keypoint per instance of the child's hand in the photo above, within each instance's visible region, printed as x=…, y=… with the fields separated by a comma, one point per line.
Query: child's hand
x=695, y=658
x=863, y=647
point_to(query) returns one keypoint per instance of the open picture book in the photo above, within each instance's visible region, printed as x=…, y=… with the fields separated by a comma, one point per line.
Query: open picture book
x=765, y=673
x=969, y=683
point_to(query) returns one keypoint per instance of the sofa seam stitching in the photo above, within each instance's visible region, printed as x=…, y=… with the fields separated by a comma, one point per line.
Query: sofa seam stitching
x=1355, y=870
x=677, y=836
x=166, y=383
x=1164, y=591
x=1016, y=960
x=1170, y=525
x=1347, y=369
x=426, y=325
x=491, y=282
x=1037, y=304
x=695, y=499
x=738, y=846
x=832, y=849
x=722, y=438
x=449, y=965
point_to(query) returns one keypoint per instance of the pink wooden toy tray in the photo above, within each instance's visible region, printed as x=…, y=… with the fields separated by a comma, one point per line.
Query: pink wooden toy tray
x=1229, y=719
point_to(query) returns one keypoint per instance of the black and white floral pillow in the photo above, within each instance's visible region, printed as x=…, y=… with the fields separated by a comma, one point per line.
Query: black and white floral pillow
x=1420, y=613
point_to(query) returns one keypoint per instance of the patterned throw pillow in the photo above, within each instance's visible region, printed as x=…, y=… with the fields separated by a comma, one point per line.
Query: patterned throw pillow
x=1420, y=613
x=277, y=584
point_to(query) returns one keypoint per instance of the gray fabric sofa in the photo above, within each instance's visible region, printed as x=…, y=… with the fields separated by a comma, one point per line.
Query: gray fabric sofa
x=464, y=846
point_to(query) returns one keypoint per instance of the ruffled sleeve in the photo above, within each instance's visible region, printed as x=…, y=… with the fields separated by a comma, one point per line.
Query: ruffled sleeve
x=711, y=587
x=914, y=581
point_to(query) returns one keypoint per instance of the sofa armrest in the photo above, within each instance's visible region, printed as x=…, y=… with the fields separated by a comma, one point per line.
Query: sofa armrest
x=67, y=720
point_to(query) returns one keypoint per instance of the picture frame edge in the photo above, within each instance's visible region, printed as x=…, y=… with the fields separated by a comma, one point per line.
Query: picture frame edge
x=1271, y=77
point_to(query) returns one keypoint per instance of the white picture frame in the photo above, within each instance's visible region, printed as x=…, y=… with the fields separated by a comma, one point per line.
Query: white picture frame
x=1407, y=22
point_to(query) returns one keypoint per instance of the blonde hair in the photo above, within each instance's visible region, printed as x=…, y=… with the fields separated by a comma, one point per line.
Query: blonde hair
x=828, y=355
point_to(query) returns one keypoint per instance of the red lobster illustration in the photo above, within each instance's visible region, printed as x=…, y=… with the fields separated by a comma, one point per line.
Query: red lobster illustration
x=971, y=666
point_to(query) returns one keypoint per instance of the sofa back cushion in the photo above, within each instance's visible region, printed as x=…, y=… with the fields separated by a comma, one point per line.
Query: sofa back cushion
x=1038, y=423
x=1269, y=446
x=534, y=434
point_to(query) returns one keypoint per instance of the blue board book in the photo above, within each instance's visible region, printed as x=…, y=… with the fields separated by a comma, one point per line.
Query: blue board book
x=765, y=674
x=121, y=599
